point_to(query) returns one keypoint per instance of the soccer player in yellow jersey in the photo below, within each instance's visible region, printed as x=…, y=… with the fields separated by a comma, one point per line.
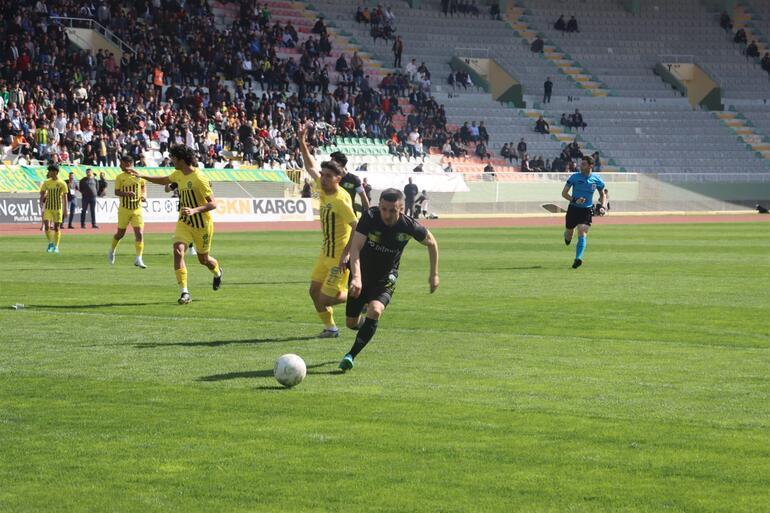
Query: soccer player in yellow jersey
x=329, y=280
x=196, y=201
x=53, y=201
x=132, y=192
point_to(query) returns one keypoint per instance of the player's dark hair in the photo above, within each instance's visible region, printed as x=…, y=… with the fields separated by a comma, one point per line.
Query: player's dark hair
x=339, y=158
x=53, y=168
x=127, y=158
x=588, y=160
x=332, y=166
x=184, y=153
x=391, y=195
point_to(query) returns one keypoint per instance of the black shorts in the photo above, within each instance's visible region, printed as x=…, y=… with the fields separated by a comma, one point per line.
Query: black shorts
x=381, y=290
x=578, y=215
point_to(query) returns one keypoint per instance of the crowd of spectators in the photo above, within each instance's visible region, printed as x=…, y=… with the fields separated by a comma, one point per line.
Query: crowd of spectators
x=568, y=26
x=63, y=104
x=381, y=21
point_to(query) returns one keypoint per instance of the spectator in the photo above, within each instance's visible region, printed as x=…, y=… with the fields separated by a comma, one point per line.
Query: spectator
x=725, y=22
x=398, y=49
x=88, y=192
x=766, y=62
x=547, y=90
x=525, y=167
x=740, y=37
x=537, y=45
x=307, y=189
x=410, y=194
x=102, y=186
x=418, y=168
x=572, y=25
x=494, y=11
x=489, y=171
x=577, y=120
x=367, y=190
x=481, y=151
x=506, y=153
x=752, y=51
x=521, y=148
x=448, y=168
x=560, y=24
x=542, y=126
x=597, y=161
x=72, y=199
x=564, y=121
x=483, y=134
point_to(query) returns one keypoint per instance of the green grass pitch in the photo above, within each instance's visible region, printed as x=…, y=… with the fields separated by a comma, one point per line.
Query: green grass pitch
x=639, y=382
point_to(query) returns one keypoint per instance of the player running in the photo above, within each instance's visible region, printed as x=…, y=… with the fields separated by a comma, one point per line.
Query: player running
x=196, y=201
x=351, y=183
x=329, y=280
x=580, y=210
x=375, y=254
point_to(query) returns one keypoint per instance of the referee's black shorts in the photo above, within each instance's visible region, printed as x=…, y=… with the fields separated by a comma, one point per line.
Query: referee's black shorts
x=578, y=215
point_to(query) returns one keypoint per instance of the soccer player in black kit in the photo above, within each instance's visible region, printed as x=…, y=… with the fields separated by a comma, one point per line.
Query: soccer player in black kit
x=375, y=253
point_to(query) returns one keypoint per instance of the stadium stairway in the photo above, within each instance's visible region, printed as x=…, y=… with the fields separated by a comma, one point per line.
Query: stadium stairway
x=516, y=17
x=746, y=132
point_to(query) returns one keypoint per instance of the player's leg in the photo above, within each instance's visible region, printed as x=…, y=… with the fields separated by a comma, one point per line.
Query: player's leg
x=366, y=331
x=48, y=234
x=581, y=244
x=137, y=222
x=139, y=246
x=325, y=312
x=202, y=240
x=182, y=237
x=119, y=233
x=569, y=225
x=57, y=233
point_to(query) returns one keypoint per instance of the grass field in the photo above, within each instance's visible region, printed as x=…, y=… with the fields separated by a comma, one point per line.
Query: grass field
x=640, y=382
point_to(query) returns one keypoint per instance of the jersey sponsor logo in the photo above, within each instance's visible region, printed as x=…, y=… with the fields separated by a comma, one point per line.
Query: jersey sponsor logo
x=403, y=237
x=374, y=236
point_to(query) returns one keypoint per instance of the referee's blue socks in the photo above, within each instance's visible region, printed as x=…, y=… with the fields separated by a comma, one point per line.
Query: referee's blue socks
x=581, y=247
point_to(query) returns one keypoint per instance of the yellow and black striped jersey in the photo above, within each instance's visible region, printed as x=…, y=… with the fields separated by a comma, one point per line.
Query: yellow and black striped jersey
x=54, y=190
x=193, y=191
x=336, y=215
x=128, y=183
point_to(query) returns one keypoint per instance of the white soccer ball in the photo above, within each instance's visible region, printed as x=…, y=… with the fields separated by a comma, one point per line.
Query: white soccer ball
x=290, y=370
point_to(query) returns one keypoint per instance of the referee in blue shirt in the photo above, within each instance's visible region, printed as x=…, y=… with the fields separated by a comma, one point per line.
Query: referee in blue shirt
x=581, y=205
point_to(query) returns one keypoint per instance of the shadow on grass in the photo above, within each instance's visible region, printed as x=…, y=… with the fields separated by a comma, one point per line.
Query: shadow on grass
x=268, y=373
x=230, y=283
x=58, y=269
x=520, y=268
x=100, y=305
x=218, y=343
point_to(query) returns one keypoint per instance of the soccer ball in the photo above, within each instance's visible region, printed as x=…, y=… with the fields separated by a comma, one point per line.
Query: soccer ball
x=289, y=370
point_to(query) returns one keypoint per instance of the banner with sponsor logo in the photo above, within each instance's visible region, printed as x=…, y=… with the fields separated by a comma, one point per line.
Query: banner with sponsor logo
x=166, y=210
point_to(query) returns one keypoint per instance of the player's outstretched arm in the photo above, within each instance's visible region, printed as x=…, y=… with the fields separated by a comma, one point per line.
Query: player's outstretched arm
x=311, y=166
x=356, y=244
x=160, y=180
x=432, y=245
x=43, y=195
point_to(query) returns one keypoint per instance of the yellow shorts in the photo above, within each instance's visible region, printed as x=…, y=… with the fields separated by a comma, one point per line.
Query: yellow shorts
x=134, y=217
x=52, y=216
x=333, y=280
x=200, y=237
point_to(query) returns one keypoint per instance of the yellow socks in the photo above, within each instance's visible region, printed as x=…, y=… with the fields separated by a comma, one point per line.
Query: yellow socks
x=57, y=237
x=327, y=317
x=139, y=248
x=215, y=270
x=181, y=278
x=115, y=243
